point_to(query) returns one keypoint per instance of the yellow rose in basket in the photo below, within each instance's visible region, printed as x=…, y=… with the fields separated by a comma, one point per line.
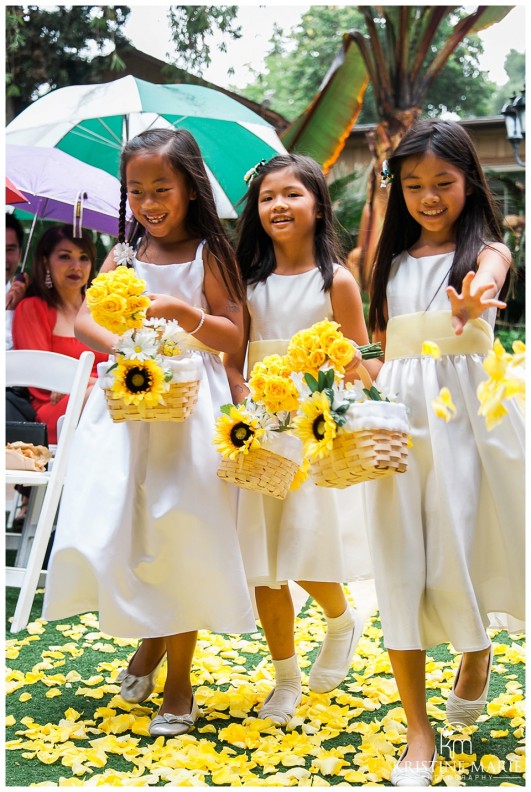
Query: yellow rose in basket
x=121, y=288
x=115, y=300
x=110, y=312
x=135, y=310
x=308, y=341
x=328, y=336
x=270, y=384
x=273, y=364
x=257, y=385
x=298, y=357
x=96, y=293
x=280, y=394
x=340, y=353
x=316, y=359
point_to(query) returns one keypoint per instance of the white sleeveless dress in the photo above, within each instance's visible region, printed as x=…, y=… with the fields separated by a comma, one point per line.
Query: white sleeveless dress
x=316, y=533
x=447, y=536
x=146, y=533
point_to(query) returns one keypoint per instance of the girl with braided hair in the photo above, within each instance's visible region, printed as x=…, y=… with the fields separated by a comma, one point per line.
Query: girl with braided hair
x=152, y=542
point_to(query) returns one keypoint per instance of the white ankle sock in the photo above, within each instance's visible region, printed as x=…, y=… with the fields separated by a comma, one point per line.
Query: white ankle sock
x=333, y=661
x=281, y=703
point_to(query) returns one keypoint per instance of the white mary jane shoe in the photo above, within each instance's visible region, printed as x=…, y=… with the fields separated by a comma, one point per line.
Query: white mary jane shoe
x=462, y=712
x=413, y=774
x=169, y=725
x=134, y=688
x=322, y=679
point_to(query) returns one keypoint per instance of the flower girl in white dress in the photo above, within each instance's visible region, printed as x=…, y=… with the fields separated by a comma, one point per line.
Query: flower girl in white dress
x=288, y=256
x=447, y=536
x=147, y=531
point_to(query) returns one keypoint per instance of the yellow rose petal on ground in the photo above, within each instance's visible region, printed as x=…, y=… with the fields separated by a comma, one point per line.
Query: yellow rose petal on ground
x=517, y=763
x=499, y=733
x=53, y=693
x=25, y=697
x=10, y=720
x=492, y=764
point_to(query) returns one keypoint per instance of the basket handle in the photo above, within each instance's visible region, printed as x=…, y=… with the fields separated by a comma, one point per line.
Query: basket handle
x=363, y=375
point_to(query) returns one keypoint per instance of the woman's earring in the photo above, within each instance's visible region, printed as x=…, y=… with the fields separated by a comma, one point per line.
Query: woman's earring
x=48, y=280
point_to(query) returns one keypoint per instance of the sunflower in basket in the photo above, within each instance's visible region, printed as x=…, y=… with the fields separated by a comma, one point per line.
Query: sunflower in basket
x=315, y=425
x=237, y=431
x=139, y=381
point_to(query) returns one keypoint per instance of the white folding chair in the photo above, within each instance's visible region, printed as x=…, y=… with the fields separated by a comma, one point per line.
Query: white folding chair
x=54, y=372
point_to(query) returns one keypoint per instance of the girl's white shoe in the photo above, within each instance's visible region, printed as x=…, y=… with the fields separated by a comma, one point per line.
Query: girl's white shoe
x=134, y=688
x=413, y=774
x=282, y=709
x=462, y=712
x=337, y=650
x=169, y=725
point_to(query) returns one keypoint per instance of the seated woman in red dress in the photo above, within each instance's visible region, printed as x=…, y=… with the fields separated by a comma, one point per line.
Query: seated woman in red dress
x=44, y=319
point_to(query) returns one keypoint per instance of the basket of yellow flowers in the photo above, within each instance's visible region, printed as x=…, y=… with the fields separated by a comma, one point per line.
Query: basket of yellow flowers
x=258, y=450
x=152, y=375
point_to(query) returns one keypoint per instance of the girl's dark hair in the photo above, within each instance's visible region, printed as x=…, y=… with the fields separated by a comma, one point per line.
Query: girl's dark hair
x=254, y=251
x=478, y=224
x=184, y=156
x=45, y=246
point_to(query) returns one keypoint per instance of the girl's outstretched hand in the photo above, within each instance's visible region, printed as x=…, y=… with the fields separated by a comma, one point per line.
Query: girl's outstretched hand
x=468, y=305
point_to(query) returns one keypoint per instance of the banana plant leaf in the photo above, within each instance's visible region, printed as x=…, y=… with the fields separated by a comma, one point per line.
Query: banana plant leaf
x=322, y=129
x=320, y=132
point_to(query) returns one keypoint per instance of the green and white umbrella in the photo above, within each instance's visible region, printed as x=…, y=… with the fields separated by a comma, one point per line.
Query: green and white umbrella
x=92, y=122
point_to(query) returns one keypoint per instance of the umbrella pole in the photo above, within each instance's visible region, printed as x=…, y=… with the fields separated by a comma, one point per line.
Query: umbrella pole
x=32, y=229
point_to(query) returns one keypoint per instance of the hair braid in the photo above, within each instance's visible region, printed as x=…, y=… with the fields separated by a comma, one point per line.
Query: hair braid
x=121, y=215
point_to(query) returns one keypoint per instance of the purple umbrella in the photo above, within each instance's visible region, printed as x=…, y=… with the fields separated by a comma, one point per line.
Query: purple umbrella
x=60, y=187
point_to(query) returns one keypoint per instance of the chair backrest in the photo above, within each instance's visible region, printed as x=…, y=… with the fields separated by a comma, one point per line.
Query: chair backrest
x=33, y=368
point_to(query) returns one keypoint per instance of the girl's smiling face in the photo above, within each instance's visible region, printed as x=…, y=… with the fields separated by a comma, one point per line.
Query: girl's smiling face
x=158, y=195
x=287, y=209
x=435, y=193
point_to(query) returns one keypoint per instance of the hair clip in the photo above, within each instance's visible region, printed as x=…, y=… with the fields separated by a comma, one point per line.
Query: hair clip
x=253, y=172
x=385, y=173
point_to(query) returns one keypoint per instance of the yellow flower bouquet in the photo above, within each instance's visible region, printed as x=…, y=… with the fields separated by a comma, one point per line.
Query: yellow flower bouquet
x=152, y=375
x=323, y=345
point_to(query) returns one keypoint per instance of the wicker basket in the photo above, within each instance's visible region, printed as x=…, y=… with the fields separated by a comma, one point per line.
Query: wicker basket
x=361, y=456
x=179, y=403
x=260, y=470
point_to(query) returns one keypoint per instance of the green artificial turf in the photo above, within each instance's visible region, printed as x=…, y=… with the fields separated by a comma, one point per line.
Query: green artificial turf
x=54, y=650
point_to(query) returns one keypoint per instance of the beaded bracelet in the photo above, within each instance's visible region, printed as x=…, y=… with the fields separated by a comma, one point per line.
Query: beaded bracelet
x=200, y=325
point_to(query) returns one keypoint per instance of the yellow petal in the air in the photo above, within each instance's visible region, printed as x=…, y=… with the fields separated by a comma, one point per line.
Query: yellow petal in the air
x=430, y=348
